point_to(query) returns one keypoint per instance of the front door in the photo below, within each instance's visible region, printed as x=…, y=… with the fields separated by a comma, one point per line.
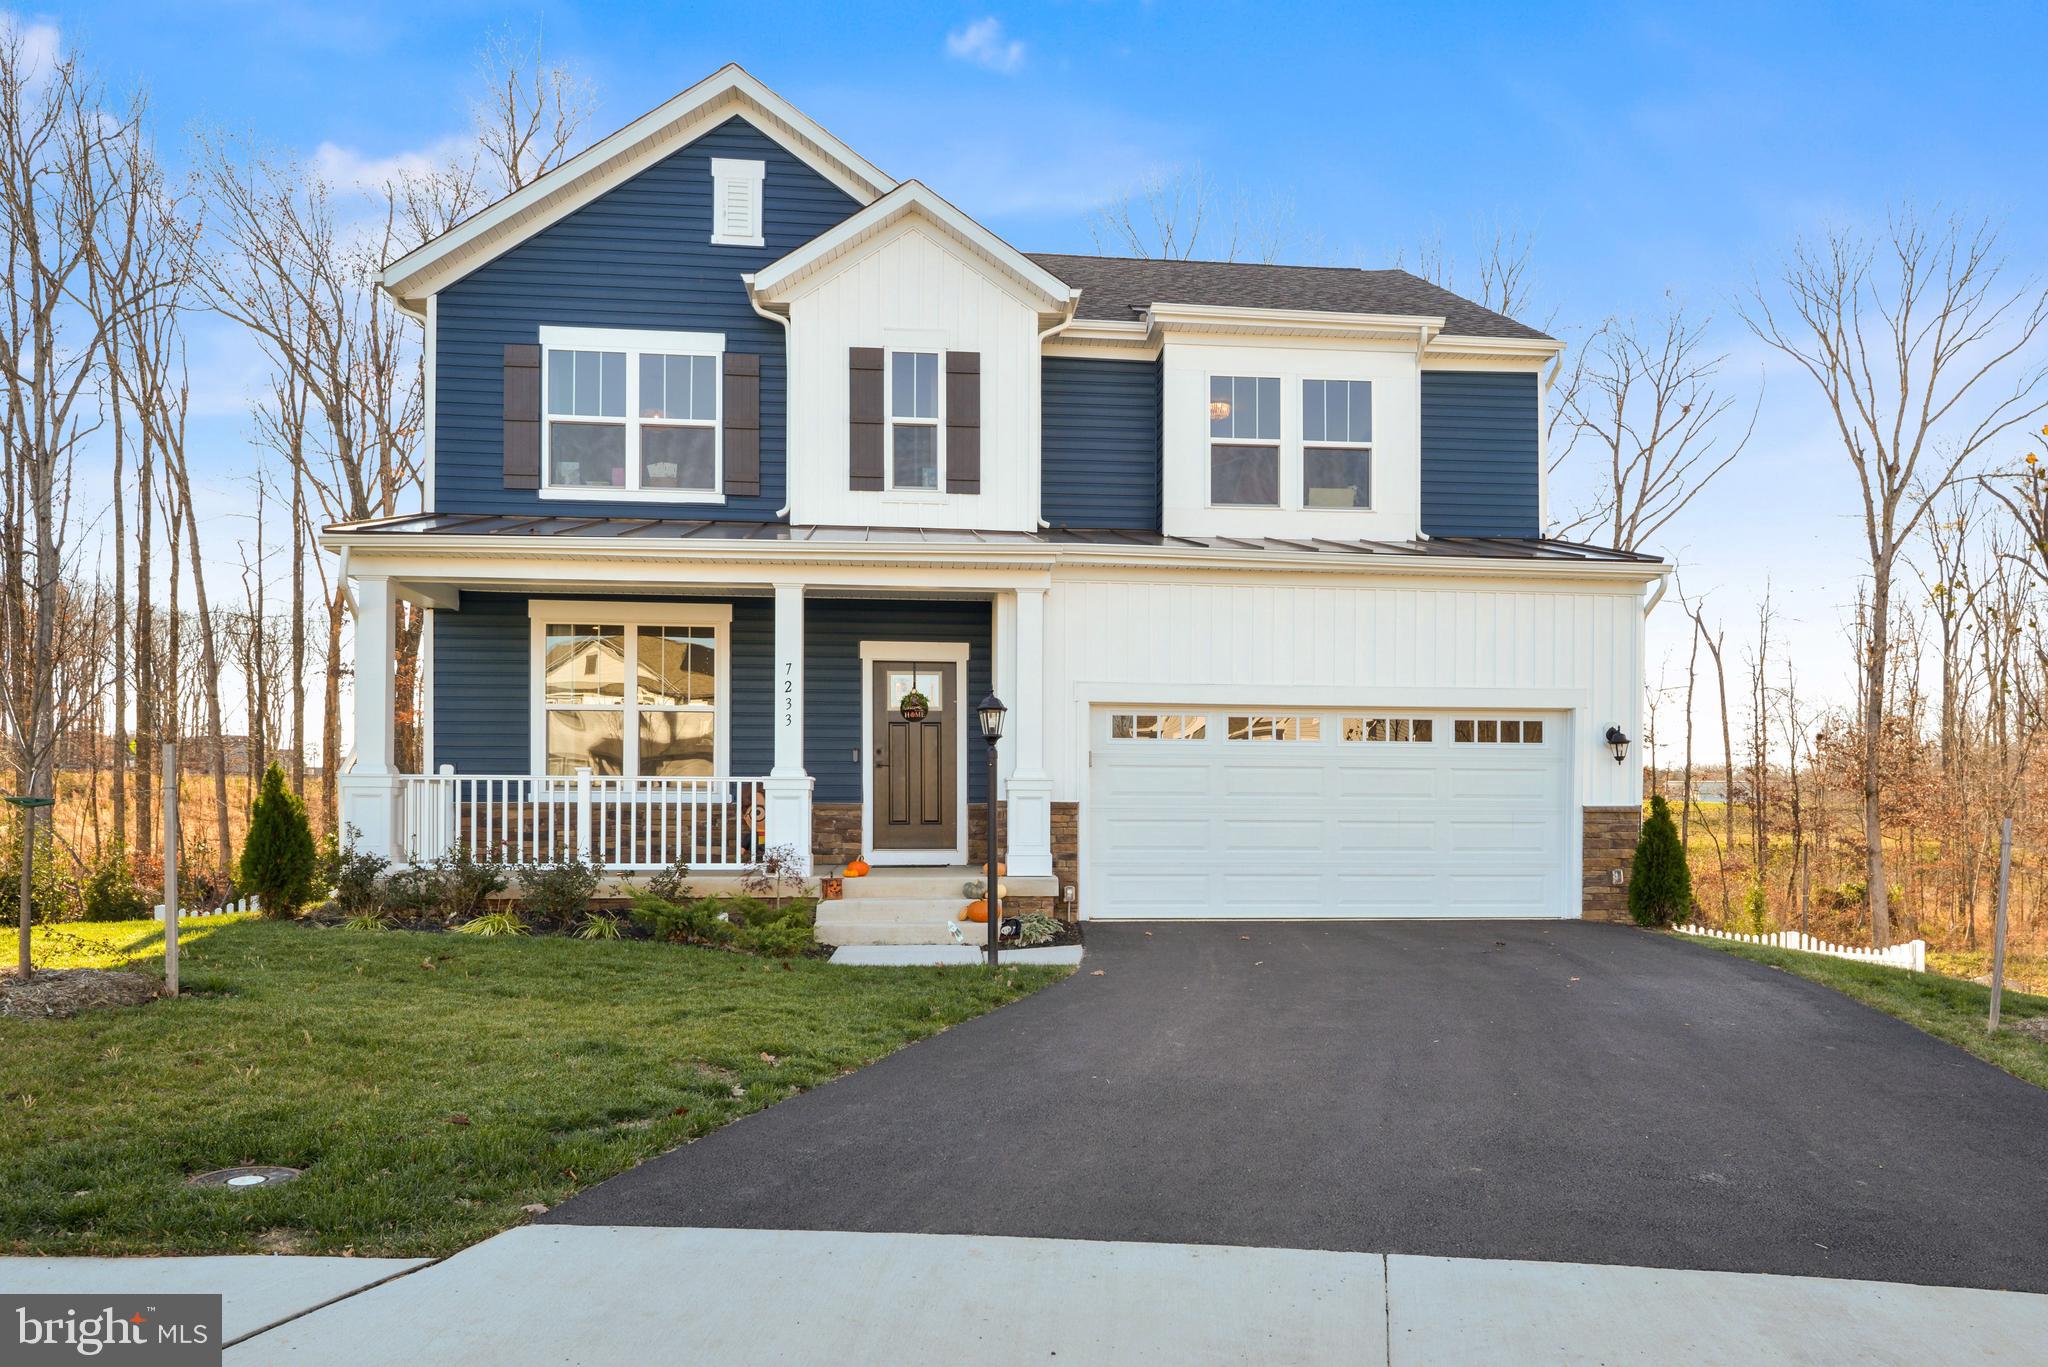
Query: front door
x=916, y=788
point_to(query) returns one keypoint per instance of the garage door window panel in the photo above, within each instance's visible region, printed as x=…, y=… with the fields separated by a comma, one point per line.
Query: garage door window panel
x=1390, y=730
x=1280, y=728
x=1158, y=726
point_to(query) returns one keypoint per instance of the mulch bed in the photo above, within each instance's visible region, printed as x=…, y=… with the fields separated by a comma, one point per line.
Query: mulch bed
x=54, y=993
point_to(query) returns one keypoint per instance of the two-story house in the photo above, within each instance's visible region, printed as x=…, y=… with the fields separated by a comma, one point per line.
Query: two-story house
x=734, y=443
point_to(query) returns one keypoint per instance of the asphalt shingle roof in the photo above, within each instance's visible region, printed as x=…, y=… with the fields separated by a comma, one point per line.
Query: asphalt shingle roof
x=1120, y=287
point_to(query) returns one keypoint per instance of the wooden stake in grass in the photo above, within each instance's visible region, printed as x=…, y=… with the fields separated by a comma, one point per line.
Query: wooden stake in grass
x=1998, y=926
x=28, y=807
x=171, y=868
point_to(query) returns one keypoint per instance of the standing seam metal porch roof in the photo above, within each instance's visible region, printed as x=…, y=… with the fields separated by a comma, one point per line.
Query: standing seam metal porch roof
x=683, y=529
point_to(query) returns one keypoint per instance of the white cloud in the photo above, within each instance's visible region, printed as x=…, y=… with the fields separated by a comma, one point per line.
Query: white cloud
x=984, y=43
x=41, y=44
x=348, y=168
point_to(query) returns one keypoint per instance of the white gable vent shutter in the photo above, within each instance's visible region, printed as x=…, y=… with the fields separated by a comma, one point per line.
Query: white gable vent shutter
x=736, y=202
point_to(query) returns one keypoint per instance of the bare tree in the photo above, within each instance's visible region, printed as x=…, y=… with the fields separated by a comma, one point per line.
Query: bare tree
x=1185, y=216
x=1504, y=269
x=67, y=163
x=531, y=110
x=1921, y=362
x=1648, y=402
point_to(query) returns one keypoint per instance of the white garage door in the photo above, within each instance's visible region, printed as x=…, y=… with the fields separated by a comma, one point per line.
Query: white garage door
x=1224, y=812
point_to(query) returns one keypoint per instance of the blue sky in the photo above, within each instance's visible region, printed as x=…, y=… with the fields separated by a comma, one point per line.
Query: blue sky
x=1649, y=151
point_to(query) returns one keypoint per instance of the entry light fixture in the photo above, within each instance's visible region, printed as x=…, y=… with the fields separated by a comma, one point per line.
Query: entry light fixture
x=1618, y=742
x=991, y=713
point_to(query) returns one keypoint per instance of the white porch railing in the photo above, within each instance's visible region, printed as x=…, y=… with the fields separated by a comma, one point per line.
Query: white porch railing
x=624, y=823
x=1911, y=955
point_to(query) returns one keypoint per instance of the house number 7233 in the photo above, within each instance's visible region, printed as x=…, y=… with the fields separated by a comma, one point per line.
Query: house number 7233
x=788, y=693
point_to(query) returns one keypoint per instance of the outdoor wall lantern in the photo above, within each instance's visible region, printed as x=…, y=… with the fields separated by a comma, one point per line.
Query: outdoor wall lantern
x=1617, y=741
x=991, y=713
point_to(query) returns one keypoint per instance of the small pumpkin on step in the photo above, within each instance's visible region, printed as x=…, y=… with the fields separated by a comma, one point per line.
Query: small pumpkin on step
x=857, y=869
x=977, y=910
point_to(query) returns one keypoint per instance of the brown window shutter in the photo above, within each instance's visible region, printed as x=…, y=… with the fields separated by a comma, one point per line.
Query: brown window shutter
x=864, y=411
x=522, y=415
x=742, y=425
x=963, y=422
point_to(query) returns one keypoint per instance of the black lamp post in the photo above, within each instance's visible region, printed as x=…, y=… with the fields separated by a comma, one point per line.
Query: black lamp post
x=991, y=713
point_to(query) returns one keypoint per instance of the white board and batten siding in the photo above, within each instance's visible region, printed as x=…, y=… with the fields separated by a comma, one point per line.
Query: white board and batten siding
x=913, y=289
x=1337, y=828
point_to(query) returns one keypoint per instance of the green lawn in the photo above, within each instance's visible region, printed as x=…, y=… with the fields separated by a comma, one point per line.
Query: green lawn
x=1947, y=1008
x=430, y=1085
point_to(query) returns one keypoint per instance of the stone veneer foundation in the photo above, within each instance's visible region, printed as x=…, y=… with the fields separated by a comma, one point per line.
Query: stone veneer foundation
x=1609, y=843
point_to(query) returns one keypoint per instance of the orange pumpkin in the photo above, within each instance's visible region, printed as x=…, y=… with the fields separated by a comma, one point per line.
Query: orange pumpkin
x=977, y=910
x=857, y=869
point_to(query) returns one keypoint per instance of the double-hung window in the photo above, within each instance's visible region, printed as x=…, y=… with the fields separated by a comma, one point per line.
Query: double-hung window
x=1336, y=443
x=632, y=412
x=914, y=420
x=631, y=689
x=1244, y=441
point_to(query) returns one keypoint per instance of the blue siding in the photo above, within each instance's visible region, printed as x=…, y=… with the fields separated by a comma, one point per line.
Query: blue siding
x=638, y=257
x=483, y=693
x=1480, y=454
x=1101, y=443
x=833, y=631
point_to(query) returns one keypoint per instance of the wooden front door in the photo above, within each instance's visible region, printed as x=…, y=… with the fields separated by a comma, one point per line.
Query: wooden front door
x=916, y=778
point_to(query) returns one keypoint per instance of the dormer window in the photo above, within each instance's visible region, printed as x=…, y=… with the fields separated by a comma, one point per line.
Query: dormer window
x=1244, y=441
x=736, y=202
x=914, y=420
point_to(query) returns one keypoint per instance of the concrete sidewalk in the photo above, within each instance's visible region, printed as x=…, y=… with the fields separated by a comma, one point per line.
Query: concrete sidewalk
x=574, y=1294
x=255, y=1292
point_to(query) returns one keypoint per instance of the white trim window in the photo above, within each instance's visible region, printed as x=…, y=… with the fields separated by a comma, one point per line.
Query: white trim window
x=1282, y=728
x=1158, y=726
x=631, y=689
x=1244, y=441
x=914, y=447
x=736, y=202
x=632, y=414
x=1336, y=444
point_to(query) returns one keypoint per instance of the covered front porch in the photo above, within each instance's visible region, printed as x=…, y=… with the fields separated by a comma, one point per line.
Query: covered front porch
x=651, y=709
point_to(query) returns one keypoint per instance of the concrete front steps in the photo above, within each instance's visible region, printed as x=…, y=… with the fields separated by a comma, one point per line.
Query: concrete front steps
x=910, y=906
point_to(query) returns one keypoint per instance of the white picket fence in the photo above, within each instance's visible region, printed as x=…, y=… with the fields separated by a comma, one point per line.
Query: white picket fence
x=1911, y=955
x=224, y=909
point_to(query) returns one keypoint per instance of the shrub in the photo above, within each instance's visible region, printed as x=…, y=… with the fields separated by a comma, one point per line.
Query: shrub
x=53, y=889
x=461, y=884
x=279, y=862
x=410, y=892
x=1756, y=912
x=110, y=893
x=788, y=939
x=697, y=922
x=672, y=884
x=356, y=876
x=1660, y=883
x=492, y=924
x=1036, y=928
x=778, y=876
x=560, y=891
x=600, y=925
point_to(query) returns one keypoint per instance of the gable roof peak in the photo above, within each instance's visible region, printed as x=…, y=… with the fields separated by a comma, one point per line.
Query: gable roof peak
x=676, y=122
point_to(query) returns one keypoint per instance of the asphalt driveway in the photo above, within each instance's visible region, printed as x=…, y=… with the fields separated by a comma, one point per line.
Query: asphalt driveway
x=1537, y=1090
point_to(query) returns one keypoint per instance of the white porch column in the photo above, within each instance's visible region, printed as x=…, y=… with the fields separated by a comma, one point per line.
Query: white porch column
x=1028, y=790
x=368, y=791
x=788, y=787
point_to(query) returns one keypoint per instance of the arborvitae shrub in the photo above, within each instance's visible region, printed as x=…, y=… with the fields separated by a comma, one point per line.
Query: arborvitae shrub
x=1660, y=883
x=279, y=861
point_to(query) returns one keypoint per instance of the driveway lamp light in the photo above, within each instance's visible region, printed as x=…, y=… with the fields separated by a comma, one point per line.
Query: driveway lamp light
x=991, y=714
